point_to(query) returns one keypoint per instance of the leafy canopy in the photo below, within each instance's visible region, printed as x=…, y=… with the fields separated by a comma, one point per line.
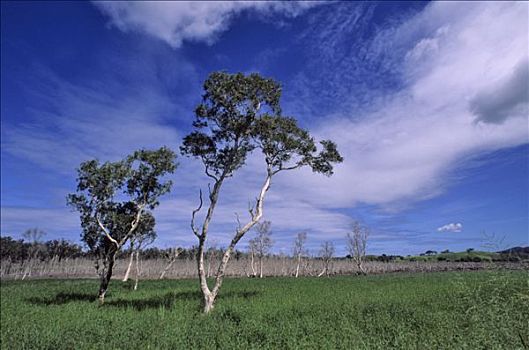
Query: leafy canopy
x=240, y=113
x=117, y=196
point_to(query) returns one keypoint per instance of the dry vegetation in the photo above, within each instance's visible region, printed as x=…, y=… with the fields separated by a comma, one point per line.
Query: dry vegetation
x=272, y=266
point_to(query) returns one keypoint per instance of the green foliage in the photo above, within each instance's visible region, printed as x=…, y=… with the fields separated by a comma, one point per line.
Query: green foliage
x=116, y=193
x=285, y=145
x=470, y=310
x=225, y=119
x=19, y=250
x=240, y=113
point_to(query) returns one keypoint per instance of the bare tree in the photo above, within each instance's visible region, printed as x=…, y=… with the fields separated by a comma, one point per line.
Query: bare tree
x=299, y=250
x=33, y=236
x=356, y=245
x=211, y=257
x=142, y=237
x=252, y=251
x=326, y=254
x=142, y=241
x=263, y=242
x=171, y=258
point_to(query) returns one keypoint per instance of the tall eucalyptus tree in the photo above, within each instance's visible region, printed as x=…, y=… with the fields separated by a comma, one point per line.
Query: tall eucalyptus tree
x=238, y=115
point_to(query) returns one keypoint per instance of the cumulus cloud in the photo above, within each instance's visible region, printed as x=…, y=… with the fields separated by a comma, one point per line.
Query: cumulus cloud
x=179, y=21
x=452, y=227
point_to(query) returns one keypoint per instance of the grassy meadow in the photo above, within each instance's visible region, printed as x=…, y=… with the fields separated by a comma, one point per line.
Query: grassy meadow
x=463, y=310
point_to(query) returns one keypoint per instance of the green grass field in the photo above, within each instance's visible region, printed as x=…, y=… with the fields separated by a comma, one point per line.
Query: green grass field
x=468, y=310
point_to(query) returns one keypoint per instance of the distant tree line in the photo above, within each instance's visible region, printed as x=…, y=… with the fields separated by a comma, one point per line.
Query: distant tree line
x=20, y=250
x=17, y=250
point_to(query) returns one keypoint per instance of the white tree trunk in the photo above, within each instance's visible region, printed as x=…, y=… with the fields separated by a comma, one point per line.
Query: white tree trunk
x=162, y=275
x=137, y=270
x=297, y=267
x=252, y=264
x=260, y=266
x=210, y=295
x=127, y=273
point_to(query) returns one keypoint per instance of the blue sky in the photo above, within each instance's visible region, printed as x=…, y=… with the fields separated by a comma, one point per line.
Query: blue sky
x=428, y=104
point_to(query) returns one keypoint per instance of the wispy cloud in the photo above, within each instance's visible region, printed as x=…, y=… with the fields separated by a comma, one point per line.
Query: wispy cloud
x=404, y=148
x=70, y=121
x=198, y=21
x=402, y=138
x=56, y=222
x=452, y=227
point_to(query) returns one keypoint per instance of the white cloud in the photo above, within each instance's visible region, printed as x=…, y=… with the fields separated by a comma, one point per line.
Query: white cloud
x=56, y=222
x=407, y=147
x=198, y=21
x=68, y=123
x=452, y=227
x=506, y=99
x=403, y=149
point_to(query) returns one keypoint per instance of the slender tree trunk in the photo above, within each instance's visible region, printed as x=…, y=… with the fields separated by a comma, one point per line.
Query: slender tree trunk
x=210, y=295
x=162, y=275
x=252, y=264
x=208, y=274
x=137, y=270
x=219, y=278
x=207, y=297
x=27, y=269
x=297, y=267
x=261, y=266
x=127, y=273
x=361, y=267
x=325, y=269
x=105, y=278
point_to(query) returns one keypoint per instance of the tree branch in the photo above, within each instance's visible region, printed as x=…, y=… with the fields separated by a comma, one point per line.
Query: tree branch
x=287, y=168
x=238, y=221
x=135, y=223
x=107, y=234
x=193, y=227
x=241, y=231
x=206, y=170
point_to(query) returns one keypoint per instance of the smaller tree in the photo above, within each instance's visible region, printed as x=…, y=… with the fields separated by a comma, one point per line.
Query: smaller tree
x=171, y=257
x=114, y=199
x=33, y=237
x=62, y=249
x=212, y=252
x=141, y=241
x=356, y=245
x=299, y=250
x=326, y=254
x=262, y=242
x=252, y=251
x=143, y=236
